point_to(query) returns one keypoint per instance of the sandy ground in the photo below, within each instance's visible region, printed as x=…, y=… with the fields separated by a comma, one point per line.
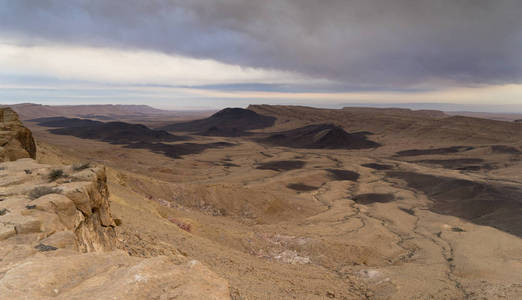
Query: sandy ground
x=300, y=231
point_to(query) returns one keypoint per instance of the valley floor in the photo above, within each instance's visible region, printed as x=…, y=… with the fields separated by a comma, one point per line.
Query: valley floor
x=282, y=223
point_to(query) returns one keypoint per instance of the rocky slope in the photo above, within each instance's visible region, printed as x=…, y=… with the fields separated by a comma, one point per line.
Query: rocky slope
x=16, y=141
x=58, y=239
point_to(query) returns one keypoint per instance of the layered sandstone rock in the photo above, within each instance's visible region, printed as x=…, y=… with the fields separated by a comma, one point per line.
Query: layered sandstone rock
x=41, y=206
x=58, y=241
x=16, y=141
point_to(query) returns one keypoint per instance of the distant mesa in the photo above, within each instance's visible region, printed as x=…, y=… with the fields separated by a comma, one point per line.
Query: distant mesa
x=112, y=132
x=227, y=122
x=320, y=136
x=407, y=112
x=28, y=111
x=397, y=124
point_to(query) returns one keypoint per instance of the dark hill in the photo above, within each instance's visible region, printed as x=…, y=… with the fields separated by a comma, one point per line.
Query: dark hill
x=321, y=136
x=482, y=203
x=224, y=132
x=177, y=150
x=64, y=122
x=227, y=122
x=112, y=132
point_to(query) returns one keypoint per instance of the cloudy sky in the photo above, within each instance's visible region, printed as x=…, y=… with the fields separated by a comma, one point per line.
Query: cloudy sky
x=211, y=54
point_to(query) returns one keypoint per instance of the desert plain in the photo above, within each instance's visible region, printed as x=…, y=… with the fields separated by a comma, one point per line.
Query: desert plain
x=291, y=202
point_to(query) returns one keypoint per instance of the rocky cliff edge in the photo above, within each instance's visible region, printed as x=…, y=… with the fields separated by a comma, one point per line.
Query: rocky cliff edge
x=58, y=238
x=16, y=141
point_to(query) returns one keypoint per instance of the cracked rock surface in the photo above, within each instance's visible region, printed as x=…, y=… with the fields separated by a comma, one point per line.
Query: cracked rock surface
x=58, y=241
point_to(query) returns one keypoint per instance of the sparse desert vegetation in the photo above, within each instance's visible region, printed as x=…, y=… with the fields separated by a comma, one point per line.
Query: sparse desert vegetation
x=40, y=191
x=55, y=174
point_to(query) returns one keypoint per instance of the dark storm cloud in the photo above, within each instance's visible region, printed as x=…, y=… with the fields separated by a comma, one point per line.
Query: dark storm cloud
x=357, y=42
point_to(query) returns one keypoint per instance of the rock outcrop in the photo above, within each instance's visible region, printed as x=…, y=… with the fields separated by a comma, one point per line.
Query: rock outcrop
x=58, y=241
x=43, y=203
x=16, y=141
x=58, y=237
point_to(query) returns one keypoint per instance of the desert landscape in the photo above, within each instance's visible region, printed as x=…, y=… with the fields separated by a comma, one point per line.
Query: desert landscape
x=276, y=149
x=278, y=202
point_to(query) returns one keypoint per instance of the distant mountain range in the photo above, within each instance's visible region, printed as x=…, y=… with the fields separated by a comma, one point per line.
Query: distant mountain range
x=28, y=111
x=494, y=112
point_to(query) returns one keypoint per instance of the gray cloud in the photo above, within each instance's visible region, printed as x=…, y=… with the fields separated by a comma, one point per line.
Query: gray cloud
x=356, y=42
